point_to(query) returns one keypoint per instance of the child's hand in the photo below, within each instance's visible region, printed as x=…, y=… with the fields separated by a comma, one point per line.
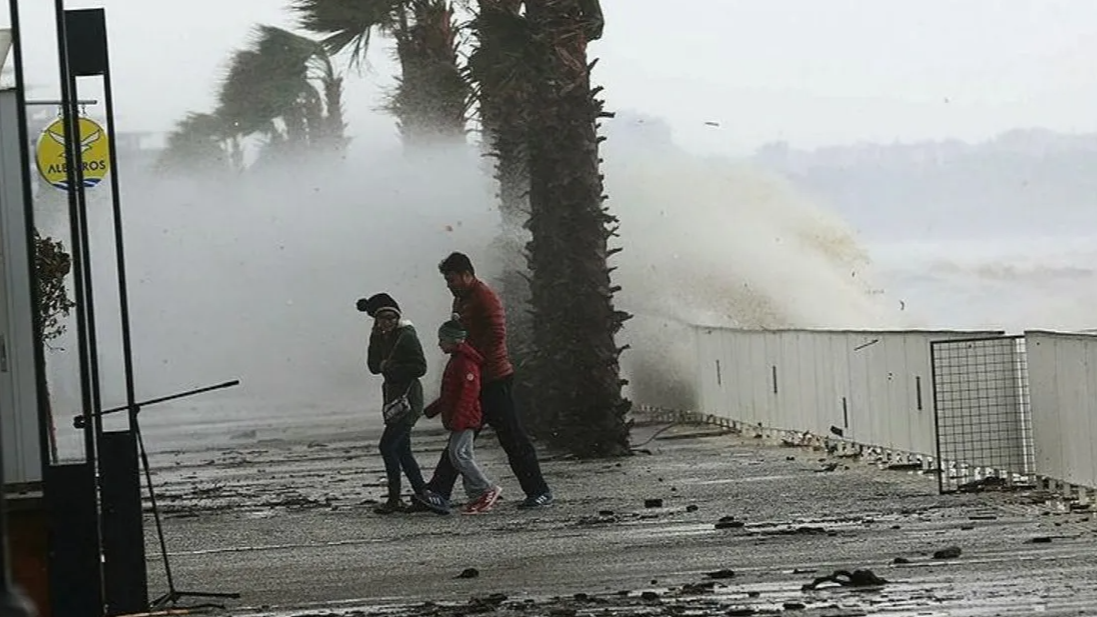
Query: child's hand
x=431, y=410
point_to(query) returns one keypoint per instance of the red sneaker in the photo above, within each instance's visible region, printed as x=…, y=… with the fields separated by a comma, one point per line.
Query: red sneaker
x=485, y=502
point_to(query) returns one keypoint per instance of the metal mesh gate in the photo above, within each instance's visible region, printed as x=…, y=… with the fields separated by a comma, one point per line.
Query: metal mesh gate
x=981, y=410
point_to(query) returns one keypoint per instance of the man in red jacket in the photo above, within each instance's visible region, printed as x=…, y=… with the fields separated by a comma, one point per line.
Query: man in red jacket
x=459, y=407
x=480, y=312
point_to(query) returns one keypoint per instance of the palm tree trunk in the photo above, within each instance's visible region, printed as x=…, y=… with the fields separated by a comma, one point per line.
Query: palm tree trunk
x=336, y=127
x=296, y=121
x=432, y=96
x=503, y=97
x=576, y=367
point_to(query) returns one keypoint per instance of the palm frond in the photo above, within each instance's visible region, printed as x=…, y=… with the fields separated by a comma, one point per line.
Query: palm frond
x=199, y=126
x=266, y=80
x=348, y=23
x=290, y=50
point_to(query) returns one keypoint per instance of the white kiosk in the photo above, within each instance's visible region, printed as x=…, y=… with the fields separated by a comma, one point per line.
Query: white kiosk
x=21, y=445
x=20, y=450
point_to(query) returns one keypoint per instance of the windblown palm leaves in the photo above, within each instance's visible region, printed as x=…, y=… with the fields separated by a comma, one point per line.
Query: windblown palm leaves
x=199, y=143
x=430, y=101
x=285, y=87
x=282, y=87
x=349, y=24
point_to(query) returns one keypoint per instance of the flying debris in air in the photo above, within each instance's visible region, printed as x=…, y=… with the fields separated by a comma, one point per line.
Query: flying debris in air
x=85, y=145
x=711, y=123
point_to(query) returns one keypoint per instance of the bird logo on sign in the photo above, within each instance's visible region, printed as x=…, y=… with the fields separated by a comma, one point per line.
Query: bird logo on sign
x=85, y=144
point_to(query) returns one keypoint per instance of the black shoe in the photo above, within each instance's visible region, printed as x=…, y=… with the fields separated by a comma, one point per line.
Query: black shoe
x=391, y=506
x=543, y=500
x=417, y=506
x=433, y=502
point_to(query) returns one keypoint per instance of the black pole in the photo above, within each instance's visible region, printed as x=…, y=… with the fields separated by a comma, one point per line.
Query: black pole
x=72, y=176
x=45, y=418
x=89, y=373
x=78, y=421
x=119, y=248
x=85, y=243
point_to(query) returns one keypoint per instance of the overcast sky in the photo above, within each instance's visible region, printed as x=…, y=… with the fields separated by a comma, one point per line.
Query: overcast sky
x=812, y=72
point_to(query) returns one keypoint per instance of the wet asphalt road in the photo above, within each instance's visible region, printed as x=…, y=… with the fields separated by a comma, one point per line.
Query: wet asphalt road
x=287, y=522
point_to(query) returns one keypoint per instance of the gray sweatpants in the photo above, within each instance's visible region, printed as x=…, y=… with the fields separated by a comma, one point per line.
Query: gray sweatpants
x=461, y=455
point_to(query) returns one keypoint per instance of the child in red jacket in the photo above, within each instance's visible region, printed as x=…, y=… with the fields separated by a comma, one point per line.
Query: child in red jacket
x=459, y=407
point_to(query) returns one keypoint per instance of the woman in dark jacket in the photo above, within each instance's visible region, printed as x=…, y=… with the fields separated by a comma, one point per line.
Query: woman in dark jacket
x=396, y=353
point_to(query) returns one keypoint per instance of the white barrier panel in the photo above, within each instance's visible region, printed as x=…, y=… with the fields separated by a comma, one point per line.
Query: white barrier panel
x=873, y=387
x=1062, y=372
x=891, y=397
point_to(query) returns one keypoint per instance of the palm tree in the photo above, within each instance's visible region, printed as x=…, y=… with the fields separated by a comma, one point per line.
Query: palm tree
x=498, y=68
x=540, y=115
x=503, y=89
x=430, y=101
x=575, y=321
x=201, y=143
x=284, y=86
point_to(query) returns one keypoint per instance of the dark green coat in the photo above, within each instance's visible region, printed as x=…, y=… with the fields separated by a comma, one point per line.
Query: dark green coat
x=405, y=365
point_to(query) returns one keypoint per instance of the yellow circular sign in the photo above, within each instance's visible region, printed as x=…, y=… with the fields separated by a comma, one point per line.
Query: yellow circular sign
x=94, y=152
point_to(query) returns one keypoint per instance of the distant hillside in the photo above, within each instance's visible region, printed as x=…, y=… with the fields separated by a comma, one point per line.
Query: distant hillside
x=1023, y=181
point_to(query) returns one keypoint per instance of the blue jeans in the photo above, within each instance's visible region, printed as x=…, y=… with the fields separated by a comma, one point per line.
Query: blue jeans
x=395, y=449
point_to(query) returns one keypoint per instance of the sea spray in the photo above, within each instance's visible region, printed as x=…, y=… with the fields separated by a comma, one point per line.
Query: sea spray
x=255, y=276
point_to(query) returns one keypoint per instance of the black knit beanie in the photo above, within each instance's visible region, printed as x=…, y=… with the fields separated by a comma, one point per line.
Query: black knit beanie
x=378, y=302
x=452, y=331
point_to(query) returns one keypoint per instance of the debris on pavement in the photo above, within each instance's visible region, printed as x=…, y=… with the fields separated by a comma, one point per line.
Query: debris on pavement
x=951, y=552
x=845, y=578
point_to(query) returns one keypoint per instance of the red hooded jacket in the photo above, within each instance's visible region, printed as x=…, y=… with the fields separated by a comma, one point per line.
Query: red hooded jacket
x=481, y=313
x=459, y=404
